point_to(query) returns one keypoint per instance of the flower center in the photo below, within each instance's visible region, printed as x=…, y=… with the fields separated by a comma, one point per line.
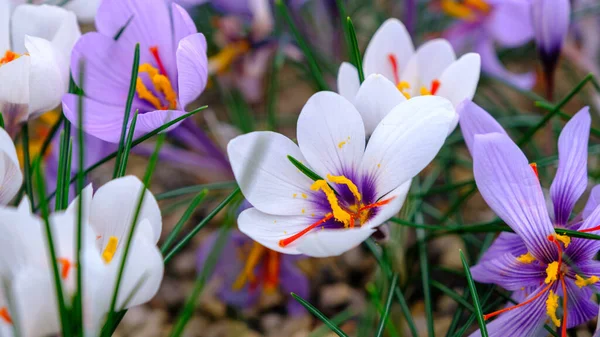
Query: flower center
x=160, y=81
x=111, y=248
x=9, y=56
x=270, y=269
x=467, y=9
x=220, y=62
x=403, y=86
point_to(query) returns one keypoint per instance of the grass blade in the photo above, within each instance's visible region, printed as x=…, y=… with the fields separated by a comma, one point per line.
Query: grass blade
x=195, y=189
x=186, y=216
x=308, y=172
x=319, y=315
x=388, y=306
x=474, y=295
x=127, y=147
x=354, y=49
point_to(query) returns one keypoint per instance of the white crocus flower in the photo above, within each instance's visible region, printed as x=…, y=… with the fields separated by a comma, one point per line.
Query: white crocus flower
x=363, y=183
x=432, y=69
x=35, y=49
x=11, y=177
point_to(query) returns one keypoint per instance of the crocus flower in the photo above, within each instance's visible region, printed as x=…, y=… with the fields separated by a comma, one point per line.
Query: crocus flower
x=172, y=71
x=247, y=270
x=430, y=70
x=11, y=177
x=551, y=24
x=359, y=185
x=35, y=47
x=483, y=24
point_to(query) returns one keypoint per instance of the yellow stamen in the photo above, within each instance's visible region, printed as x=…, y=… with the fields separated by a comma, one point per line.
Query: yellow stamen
x=144, y=93
x=424, y=91
x=345, y=181
x=402, y=86
x=220, y=62
x=564, y=239
x=526, y=258
x=551, y=272
x=338, y=213
x=582, y=282
x=551, y=307
x=161, y=83
x=247, y=274
x=457, y=10
x=110, y=249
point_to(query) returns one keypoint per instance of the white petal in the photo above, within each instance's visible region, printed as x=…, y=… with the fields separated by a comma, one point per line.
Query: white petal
x=11, y=177
x=348, y=81
x=433, y=58
x=4, y=25
x=85, y=10
x=391, y=38
x=406, y=141
x=376, y=97
x=385, y=212
x=47, y=83
x=268, y=229
x=266, y=176
x=87, y=193
x=14, y=98
x=22, y=242
x=25, y=206
x=332, y=242
x=113, y=208
x=459, y=80
x=331, y=134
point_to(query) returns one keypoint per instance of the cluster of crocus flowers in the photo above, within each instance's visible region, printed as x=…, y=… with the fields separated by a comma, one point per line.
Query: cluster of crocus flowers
x=35, y=48
x=553, y=275
x=172, y=70
x=432, y=69
x=355, y=185
x=107, y=219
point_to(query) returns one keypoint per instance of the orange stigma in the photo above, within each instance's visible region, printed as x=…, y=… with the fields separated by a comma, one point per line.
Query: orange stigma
x=66, y=267
x=271, y=270
x=161, y=66
x=496, y=313
x=394, y=62
x=5, y=316
x=9, y=56
x=435, y=85
x=535, y=169
x=287, y=241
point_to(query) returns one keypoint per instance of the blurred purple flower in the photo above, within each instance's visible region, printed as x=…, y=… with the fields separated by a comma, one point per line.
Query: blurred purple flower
x=551, y=20
x=248, y=270
x=172, y=72
x=483, y=24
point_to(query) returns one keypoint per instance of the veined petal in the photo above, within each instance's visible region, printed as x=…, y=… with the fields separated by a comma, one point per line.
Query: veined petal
x=376, y=97
x=580, y=306
x=5, y=24
x=87, y=194
x=348, y=81
x=509, y=273
x=332, y=242
x=511, y=188
x=406, y=140
x=584, y=249
x=11, y=177
x=492, y=65
x=433, y=58
x=391, y=38
x=14, y=98
x=268, y=179
x=21, y=241
x=183, y=25
x=384, y=213
x=85, y=10
x=505, y=243
x=192, y=67
x=459, y=81
x=474, y=120
x=571, y=177
x=592, y=203
x=331, y=134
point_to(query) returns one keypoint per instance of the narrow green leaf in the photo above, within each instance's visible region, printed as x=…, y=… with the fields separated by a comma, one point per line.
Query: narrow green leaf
x=452, y=294
x=196, y=189
x=127, y=147
x=63, y=172
x=122, y=29
x=201, y=225
x=1, y=120
x=337, y=320
x=308, y=172
x=355, y=55
x=186, y=216
x=388, y=306
x=474, y=296
x=131, y=94
x=26, y=163
x=319, y=315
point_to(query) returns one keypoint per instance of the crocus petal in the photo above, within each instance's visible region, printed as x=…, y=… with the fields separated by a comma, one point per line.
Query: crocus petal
x=191, y=67
x=114, y=205
x=459, y=81
x=580, y=306
x=332, y=242
x=376, y=97
x=86, y=194
x=35, y=303
x=406, y=140
x=588, y=268
x=47, y=83
x=492, y=65
x=571, y=177
x=348, y=81
x=511, y=188
x=268, y=229
x=526, y=321
x=267, y=178
x=101, y=120
x=5, y=24
x=474, y=120
x=582, y=249
x=592, y=203
x=505, y=243
x=183, y=25
x=85, y=10
x=391, y=38
x=11, y=177
x=510, y=23
x=507, y=272
x=21, y=241
x=14, y=98
x=433, y=58
x=331, y=134
x=397, y=197
x=551, y=24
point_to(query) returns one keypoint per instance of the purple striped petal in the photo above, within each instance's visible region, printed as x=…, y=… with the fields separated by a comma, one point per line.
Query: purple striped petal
x=592, y=203
x=571, y=177
x=580, y=307
x=512, y=190
x=507, y=272
x=474, y=120
x=505, y=243
x=551, y=20
x=584, y=249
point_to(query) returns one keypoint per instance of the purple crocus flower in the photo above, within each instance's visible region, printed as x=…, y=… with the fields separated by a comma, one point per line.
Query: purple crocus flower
x=551, y=24
x=484, y=24
x=248, y=270
x=172, y=71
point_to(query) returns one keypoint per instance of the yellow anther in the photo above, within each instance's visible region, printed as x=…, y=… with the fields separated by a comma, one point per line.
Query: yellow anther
x=424, y=91
x=551, y=272
x=162, y=83
x=341, y=144
x=338, y=213
x=402, y=86
x=345, y=181
x=110, y=249
x=304, y=195
x=144, y=93
x=551, y=307
x=220, y=62
x=458, y=10
x=148, y=69
x=564, y=239
x=247, y=274
x=582, y=282
x=526, y=258
x=294, y=195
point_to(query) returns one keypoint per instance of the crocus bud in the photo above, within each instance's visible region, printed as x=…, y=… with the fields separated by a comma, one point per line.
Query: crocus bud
x=551, y=24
